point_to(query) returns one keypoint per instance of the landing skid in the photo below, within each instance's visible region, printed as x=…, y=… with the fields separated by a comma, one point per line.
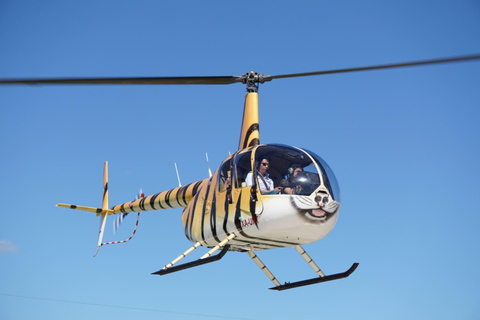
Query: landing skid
x=206, y=258
x=290, y=285
x=195, y=263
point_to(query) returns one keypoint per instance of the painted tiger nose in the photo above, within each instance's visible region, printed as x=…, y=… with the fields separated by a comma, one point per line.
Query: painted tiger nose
x=321, y=200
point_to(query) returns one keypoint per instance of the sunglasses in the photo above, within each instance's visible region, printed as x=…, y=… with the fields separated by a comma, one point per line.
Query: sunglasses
x=266, y=164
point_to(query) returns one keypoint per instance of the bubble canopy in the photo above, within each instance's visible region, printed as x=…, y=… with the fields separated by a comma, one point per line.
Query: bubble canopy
x=329, y=179
x=290, y=167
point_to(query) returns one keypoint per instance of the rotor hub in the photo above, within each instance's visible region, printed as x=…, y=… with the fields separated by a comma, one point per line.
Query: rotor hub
x=252, y=79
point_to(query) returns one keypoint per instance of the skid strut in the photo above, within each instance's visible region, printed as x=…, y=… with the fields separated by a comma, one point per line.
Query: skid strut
x=289, y=285
x=310, y=261
x=206, y=258
x=263, y=267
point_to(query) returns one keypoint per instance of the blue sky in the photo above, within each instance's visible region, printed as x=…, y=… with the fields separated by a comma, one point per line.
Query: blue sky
x=403, y=143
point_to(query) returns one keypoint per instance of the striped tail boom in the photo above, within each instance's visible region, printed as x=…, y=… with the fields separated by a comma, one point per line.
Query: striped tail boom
x=174, y=198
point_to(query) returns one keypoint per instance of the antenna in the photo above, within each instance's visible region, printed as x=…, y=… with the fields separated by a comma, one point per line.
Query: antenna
x=178, y=176
x=208, y=165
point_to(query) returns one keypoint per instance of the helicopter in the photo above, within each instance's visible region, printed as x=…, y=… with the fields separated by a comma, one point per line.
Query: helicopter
x=261, y=197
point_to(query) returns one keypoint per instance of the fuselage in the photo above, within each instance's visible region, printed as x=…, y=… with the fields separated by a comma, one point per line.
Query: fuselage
x=226, y=203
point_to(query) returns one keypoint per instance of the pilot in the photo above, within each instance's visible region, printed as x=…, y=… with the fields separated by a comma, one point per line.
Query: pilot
x=290, y=186
x=264, y=182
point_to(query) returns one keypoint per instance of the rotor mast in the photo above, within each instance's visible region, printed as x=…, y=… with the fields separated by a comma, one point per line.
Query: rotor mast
x=249, y=132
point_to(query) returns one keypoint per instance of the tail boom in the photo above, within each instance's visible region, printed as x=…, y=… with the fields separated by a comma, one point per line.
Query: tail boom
x=174, y=198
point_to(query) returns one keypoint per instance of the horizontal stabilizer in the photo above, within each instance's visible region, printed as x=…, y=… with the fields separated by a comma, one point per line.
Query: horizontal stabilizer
x=98, y=211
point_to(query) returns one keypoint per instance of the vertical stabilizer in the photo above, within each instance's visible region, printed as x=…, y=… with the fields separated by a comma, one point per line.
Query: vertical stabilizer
x=105, y=187
x=250, y=134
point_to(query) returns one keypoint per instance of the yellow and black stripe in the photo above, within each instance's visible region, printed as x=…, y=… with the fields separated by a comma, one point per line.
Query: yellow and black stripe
x=250, y=133
x=174, y=198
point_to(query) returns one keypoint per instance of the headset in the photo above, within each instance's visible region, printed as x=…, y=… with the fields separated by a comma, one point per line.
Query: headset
x=291, y=170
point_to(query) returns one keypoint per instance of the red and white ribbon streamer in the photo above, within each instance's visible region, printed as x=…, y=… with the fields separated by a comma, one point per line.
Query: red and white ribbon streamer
x=122, y=241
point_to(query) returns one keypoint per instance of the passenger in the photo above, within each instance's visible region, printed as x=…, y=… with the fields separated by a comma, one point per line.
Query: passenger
x=264, y=182
x=226, y=182
x=290, y=187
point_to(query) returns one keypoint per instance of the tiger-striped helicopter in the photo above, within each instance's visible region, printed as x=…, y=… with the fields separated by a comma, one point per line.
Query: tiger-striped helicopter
x=263, y=196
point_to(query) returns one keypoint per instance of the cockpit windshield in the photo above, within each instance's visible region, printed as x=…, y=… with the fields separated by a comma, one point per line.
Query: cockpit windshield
x=329, y=179
x=280, y=170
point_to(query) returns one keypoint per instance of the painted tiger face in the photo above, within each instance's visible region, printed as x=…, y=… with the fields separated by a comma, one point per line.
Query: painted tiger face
x=318, y=210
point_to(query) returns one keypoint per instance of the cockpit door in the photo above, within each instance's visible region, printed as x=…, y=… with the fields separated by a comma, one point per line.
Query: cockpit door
x=244, y=194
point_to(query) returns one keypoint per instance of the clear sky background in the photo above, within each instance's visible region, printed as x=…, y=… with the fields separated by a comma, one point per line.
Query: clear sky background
x=404, y=145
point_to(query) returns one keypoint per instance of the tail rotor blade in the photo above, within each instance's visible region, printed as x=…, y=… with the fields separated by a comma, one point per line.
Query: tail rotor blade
x=118, y=221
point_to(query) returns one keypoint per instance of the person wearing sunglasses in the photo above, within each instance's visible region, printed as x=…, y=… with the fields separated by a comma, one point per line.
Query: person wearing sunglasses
x=264, y=182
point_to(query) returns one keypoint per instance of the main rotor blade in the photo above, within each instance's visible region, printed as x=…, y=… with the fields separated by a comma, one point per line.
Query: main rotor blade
x=384, y=66
x=147, y=80
x=226, y=79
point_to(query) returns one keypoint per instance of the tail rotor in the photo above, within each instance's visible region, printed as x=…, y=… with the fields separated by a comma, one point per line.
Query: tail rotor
x=118, y=221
